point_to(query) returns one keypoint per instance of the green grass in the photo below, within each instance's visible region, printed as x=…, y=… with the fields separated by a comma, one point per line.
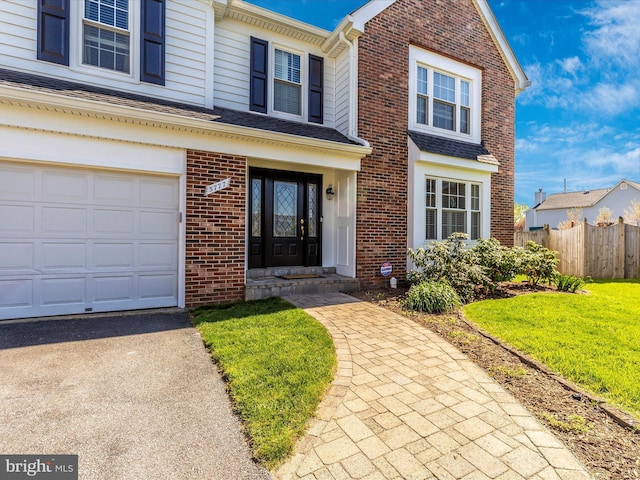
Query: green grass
x=278, y=362
x=593, y=339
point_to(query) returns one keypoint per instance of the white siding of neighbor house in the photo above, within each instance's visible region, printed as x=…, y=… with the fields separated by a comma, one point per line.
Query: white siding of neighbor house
x=342, y=92
x=232, y=51
x=186, y=50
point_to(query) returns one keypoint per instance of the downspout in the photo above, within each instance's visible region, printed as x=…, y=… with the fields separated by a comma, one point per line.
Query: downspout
x=353, y=93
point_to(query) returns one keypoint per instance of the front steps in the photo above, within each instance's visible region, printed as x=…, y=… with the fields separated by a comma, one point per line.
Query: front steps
x=268, y=282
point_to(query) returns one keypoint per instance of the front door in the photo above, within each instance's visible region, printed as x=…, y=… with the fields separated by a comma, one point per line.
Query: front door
x=285, y=218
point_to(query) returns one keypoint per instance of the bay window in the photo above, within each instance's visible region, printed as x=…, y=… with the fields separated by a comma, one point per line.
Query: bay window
x=452, y=207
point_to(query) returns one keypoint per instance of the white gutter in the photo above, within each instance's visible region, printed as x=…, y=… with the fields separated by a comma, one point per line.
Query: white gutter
x=353, y=93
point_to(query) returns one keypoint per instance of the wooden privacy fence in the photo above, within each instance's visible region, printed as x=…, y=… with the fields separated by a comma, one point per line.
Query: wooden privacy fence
x=588, y=250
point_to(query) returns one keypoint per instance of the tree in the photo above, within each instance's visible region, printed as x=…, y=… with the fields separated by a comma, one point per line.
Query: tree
x=573, y=218
x=519, y=210
x=632, y=216
x=604, y=217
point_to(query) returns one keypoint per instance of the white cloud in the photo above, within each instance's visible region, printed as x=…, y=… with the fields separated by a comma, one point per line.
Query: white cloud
x=571, y=65
x=616, y=37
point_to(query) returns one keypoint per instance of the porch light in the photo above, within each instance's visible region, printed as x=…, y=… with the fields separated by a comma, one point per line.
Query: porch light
x=330, y=193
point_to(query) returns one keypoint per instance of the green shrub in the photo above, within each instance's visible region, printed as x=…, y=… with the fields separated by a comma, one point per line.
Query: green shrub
x=569, y=283
x=449, y=261
x=432, y=297
x=538, y=263
x=501, y=264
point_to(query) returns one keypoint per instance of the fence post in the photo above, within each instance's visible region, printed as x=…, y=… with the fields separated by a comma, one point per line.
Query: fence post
x=621, y=249
x=585, y=249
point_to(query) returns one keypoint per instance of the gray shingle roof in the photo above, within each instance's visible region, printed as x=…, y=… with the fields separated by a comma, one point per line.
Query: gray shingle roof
x=55, y=86
x=451, y=148
x=582, y=199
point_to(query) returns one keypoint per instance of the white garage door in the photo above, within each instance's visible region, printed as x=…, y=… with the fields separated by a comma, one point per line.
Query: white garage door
x=76, y=240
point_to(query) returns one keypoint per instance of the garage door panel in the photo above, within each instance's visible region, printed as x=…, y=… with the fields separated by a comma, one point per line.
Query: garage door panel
x=158, y=224
x=64, y=221
x=16, y=293
x=114, y=222
x=63, y=256
x=158, y=255
x=17, y=219
x=114, y=190
x=63, y=291
x=158, y=193
x=64, y=186
x=74, y=240
x=113, y=255
x=17, y=183
x=112, y=289
x=157, y=286
x=17, y=256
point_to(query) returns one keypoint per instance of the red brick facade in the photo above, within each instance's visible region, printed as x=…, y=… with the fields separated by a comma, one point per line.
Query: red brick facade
x=215, y=229
x=452, y=28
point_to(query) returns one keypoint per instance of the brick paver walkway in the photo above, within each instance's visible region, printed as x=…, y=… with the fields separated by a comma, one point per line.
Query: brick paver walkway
x=405, y=404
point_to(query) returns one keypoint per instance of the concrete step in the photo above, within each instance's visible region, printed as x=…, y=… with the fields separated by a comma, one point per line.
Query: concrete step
x=268, y=282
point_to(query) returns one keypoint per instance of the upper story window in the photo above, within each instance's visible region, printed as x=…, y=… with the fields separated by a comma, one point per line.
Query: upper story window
x=122, y=36
x=287, y=83
x=106, y=35
x=445, y=96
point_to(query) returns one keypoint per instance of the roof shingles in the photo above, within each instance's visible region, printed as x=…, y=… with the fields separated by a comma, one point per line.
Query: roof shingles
x=451, y=148
x=226, y=116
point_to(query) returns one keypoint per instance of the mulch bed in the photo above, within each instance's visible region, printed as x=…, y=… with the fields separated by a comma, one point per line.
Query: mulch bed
x=607, y=449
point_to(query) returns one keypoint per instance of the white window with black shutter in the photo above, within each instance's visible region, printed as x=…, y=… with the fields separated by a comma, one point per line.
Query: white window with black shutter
x=123, y=37
x=285, y=82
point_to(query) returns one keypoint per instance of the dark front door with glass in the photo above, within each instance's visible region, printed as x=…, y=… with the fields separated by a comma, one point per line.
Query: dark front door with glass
x=285, y=216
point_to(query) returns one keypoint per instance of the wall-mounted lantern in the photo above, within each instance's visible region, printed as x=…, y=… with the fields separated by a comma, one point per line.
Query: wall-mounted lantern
x=330, y=193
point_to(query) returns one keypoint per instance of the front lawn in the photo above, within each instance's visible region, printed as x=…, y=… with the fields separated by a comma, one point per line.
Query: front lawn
x=592, y=339
x=278, y=362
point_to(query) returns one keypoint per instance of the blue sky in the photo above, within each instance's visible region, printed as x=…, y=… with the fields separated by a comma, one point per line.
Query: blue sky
x=580, y=119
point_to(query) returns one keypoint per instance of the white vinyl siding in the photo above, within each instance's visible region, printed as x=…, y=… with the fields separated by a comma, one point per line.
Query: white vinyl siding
x=342, y=92
x=232, y=54
x=186, y=50
x=18, y=34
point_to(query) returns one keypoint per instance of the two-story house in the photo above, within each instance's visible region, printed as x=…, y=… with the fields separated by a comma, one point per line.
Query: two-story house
x=160, y=152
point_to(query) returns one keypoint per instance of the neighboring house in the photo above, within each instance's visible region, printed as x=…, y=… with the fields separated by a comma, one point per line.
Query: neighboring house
x=555, y=208
x=154, y=153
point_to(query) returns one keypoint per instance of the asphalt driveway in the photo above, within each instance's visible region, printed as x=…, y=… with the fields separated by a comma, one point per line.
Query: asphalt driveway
x=135, y=396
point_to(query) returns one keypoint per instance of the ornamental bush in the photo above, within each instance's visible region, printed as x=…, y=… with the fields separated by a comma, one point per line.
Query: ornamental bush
x=469, y=270
x=538, y=263
x=501, y=264
x=449, y=261
x=432, y=297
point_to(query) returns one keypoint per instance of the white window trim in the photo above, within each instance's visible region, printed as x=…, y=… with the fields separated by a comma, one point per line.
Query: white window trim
x=77, y=41
x=438, y=63
x=303, y=82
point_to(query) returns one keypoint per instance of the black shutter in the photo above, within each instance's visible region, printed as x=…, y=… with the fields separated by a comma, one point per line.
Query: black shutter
x=258, y=75
x=53, y=31
x=152, y=45
x=316, y=86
